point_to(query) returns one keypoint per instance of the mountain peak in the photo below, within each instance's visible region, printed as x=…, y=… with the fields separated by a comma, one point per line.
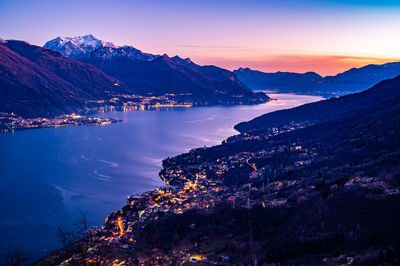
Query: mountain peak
x=166, y=59
x=89, y=36
x=243, y=69
x=183, y=61
x=88, y=46
x=84, y=41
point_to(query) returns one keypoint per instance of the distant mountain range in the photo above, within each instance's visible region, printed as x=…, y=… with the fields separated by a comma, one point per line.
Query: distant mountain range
x=149, y=74
x=350, y=81
x=69, y=73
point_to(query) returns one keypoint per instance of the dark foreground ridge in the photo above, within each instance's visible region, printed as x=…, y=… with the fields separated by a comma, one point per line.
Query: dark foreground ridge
x=326, y=110
x=303, y=192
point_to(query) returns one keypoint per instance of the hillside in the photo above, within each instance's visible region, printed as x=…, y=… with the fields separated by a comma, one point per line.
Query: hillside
x=29, y=90
x=327, y=109
x=39, y=82
x=328, y=193
x=95, y=82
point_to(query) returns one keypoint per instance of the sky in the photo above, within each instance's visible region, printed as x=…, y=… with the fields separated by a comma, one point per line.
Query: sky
x=327, y=37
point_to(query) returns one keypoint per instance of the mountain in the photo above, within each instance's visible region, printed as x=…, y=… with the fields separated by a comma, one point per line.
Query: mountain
x=326, y=110
x=279, y=81
x=214, y=72
x=350, y=81
x=359, y=79
x=148, y=74
x=95, y=82
x=87, y=47
x=28, y=89
x=39, y=82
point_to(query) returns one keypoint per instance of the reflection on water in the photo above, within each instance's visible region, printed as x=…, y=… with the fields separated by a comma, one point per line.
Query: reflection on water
x=49, y=175
x=141, y=107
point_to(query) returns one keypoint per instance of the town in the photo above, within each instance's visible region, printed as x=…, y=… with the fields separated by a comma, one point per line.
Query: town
x=196, y=184
x=10, y=122
x=123, y=102
x=199, y=185
x=132, y=102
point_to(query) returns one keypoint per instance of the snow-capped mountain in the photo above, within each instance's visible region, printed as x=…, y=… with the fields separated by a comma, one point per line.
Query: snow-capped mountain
x=147, y=74
x=88, y=46
x=35, y=81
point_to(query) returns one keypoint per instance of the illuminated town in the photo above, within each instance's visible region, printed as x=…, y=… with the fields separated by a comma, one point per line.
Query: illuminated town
x=10, y=122
x=253, y=171
x=196, y=184
x=132, y=102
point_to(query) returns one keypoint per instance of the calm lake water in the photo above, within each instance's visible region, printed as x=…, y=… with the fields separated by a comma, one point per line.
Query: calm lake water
x=48, y=176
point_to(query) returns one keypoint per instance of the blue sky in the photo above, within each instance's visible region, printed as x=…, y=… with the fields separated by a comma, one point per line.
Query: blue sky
x=322, y=36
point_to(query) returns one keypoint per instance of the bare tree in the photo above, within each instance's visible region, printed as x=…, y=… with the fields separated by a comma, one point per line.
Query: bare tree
x=14, y=257
x=77, y=238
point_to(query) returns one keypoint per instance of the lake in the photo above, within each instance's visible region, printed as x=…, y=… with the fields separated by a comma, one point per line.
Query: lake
x=48, y=176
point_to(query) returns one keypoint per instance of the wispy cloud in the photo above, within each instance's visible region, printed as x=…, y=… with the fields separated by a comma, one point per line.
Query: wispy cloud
x=209, y=46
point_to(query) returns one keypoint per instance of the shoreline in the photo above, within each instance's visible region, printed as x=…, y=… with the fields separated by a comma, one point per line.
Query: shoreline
x=18, y=123
x=202, y=192
x=212, y=139
x=10, y=122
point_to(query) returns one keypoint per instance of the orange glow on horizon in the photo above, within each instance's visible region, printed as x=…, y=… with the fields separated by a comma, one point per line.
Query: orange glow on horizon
x=322, y=64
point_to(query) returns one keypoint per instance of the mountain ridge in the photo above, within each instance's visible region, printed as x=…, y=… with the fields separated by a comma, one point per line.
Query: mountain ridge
x=35, y=80
x=147, y=74
x=350, y=81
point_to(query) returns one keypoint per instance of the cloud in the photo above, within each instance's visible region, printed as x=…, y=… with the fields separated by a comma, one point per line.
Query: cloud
x=209, y=46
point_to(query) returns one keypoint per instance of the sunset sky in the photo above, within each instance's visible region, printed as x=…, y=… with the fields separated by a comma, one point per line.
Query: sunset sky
x=269, y=35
